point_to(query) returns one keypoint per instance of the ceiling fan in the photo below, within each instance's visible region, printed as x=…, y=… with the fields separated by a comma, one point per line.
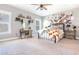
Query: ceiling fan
x=41, y=6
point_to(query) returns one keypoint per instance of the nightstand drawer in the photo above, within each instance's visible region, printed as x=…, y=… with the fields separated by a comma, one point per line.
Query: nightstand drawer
x=69, y=31
x=69, y=36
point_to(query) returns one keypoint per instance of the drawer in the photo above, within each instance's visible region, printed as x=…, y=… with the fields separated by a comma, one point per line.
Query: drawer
x=69, y=34
x=70, y=37
x=69, y=31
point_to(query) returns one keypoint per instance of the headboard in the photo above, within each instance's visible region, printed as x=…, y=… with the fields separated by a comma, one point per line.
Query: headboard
x=59, y=25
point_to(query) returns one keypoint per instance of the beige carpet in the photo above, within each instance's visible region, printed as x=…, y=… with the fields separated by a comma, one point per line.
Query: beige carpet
x=34, y=46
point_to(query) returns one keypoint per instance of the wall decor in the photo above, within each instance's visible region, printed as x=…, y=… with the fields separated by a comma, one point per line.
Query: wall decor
x=24, y=20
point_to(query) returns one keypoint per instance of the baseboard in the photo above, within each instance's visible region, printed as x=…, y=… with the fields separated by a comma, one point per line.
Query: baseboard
x=8, y=39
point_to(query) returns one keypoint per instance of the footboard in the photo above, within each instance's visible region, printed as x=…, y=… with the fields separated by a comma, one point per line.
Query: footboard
x=46, y=37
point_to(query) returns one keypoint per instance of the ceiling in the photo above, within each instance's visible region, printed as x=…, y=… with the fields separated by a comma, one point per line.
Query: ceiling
x=51, y=9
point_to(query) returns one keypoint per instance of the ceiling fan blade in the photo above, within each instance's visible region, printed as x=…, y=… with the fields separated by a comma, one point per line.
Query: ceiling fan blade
x=42, y=4
x=46, y=4
x=36, y=4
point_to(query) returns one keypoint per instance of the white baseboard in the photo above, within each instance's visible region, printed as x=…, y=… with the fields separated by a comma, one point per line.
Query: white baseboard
x=7, y=39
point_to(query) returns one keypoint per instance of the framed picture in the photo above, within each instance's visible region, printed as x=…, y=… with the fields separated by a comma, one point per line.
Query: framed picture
x=5, y=22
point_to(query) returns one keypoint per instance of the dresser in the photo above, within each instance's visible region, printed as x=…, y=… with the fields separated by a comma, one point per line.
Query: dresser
x=70, y=34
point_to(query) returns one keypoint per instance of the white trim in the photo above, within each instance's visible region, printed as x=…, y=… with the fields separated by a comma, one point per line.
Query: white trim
x=7, y=39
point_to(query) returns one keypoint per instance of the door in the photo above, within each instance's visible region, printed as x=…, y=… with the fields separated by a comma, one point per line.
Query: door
x=38, y=24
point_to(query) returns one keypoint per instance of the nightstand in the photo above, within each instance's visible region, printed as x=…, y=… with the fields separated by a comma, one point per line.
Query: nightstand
x=70, y=34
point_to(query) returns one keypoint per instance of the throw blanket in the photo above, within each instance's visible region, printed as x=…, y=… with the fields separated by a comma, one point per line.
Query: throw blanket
x=54, y=33
x=51, y=33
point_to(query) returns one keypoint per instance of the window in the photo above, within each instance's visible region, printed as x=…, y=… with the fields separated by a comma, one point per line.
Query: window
x=5, y=22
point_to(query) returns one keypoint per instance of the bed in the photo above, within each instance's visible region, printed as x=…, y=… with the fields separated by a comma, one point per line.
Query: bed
x=45, y=34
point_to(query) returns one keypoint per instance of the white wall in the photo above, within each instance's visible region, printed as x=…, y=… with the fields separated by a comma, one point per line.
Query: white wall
x=76, y=16
x=15, y=26
x=76, y=20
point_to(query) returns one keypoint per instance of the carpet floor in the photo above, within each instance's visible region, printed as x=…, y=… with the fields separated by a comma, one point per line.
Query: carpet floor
x=34, y=46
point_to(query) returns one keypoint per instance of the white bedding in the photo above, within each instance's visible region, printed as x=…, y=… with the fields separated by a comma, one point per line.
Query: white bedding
x=44, y=34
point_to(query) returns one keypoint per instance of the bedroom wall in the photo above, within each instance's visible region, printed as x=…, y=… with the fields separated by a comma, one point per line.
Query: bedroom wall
x=76, y=16
x=75, y=12
x=14, y=25
x=76, y=20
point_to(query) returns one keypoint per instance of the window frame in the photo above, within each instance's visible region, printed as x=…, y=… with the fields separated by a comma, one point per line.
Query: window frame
x=8, y=23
